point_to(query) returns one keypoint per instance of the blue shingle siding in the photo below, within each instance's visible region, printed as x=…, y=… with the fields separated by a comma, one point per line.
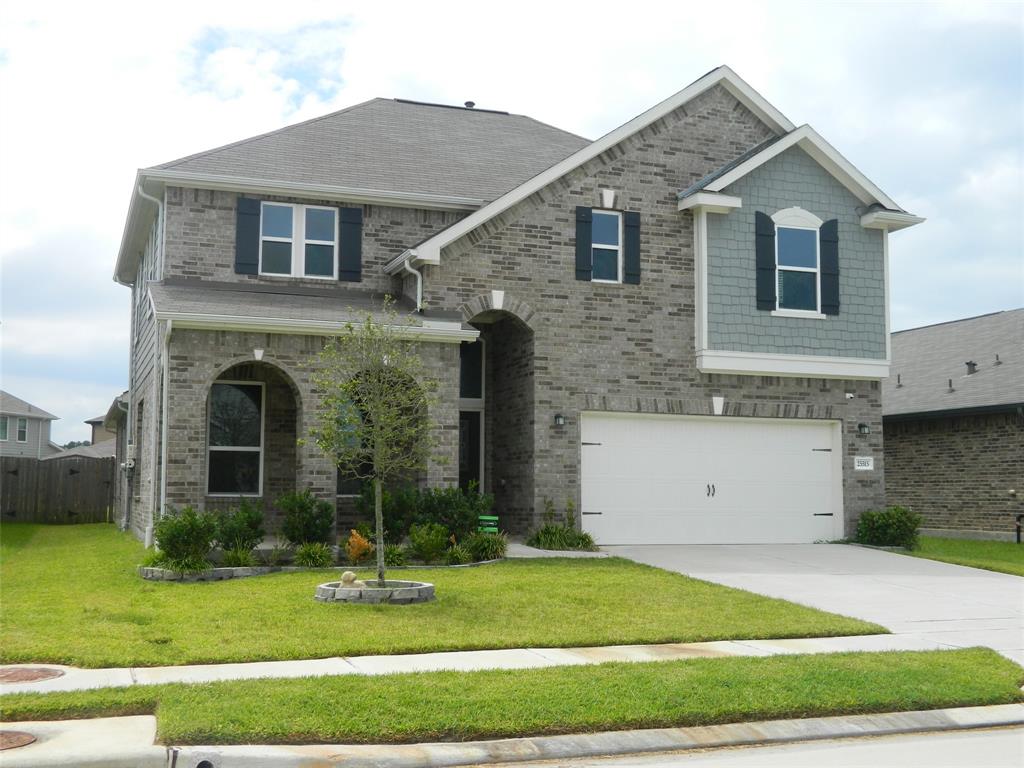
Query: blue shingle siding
x=734, y=322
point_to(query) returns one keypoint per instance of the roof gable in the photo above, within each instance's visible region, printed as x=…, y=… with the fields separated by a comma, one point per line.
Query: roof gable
x=15, y=406
x=429, y=251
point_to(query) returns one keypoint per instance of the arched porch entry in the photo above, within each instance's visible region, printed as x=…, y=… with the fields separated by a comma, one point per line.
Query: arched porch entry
x=253, y=415
x=496, y=407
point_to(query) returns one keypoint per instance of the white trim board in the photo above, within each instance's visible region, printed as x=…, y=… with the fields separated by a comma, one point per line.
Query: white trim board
x=429, y=251
x=453, y=334
x=812, y=366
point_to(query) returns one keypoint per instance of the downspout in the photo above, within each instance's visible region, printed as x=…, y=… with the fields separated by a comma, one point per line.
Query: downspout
x=160, y=226
x=163, y=418
x=419, y=284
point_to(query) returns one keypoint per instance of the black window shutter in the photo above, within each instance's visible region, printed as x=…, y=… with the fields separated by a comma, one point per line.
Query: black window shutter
x=764, y=248
x=828, y=237
x=631, y=247
x=350, y=245
x=584, y=259
x=247, y=237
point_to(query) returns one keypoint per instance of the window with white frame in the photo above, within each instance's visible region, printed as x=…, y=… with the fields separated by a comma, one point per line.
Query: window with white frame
x=235, y=438
x=22, y=430
x=606, y=247
x=797, y=260
x=299, y=240
x=3, y=428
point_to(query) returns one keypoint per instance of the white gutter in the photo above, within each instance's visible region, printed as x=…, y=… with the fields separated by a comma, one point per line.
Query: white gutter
x=322, y=191
x=419, y=284
x=441, y=331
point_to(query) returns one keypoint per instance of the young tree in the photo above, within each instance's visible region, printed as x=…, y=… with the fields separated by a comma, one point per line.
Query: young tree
x=374, y=419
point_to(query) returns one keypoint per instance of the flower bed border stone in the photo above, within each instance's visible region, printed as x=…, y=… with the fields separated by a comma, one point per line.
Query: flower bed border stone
x=154, y=573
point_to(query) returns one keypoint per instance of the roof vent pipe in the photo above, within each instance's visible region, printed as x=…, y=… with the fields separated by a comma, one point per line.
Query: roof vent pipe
x=972, y=367
x=470, y=104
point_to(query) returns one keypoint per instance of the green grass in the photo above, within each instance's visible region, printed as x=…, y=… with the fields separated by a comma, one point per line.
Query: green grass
x=71, y=596
x=1002, y=556
x=495, y=704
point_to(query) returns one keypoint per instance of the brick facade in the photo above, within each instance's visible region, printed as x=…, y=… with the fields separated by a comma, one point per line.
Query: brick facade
x=956, y=471
x=631, y=347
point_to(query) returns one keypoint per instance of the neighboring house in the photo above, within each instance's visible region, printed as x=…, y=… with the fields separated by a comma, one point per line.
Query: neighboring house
x=953, y=409
x=100, y=433
x=24, y=428
x=680, y=327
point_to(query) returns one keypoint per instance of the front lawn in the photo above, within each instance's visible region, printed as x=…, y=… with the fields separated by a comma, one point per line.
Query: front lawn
x=500, y=703
x=1002, y=556
x=71, y=596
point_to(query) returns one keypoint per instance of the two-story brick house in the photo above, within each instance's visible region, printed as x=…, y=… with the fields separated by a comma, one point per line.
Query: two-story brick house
x=680, y=326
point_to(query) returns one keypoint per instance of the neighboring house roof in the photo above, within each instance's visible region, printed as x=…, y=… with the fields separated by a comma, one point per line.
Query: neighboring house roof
x=429, y=251
x=205, y=304
x=98, y=451
x=96, y=419
x=381, y=151
x=15, y=406
x=926, y=359
x=116, y=413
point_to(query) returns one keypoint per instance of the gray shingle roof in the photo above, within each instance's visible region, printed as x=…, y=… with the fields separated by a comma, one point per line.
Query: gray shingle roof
x=698, y=185
x=102, y=450
x=15, y=406
x=390, y=145
x=925, y=359
x=284, y=303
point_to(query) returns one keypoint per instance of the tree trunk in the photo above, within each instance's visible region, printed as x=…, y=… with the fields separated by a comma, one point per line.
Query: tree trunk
x=378, y=511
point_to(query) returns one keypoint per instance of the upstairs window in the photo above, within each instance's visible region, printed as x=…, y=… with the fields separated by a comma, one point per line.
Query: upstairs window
x=797, y=264
x=3, y=428
x=298, y=241
x=606, y=247
x=22, y=430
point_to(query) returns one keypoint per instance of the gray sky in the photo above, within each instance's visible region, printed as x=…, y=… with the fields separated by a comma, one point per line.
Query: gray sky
x=925, y=98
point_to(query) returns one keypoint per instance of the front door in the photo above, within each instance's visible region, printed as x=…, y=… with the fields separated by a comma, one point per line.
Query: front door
x=469, y=448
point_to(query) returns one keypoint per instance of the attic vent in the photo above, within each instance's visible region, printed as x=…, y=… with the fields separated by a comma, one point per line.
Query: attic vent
x=972, y=367
x=470, y=104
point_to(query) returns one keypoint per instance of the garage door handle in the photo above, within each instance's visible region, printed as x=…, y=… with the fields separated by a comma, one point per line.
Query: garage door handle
x=823, y=450
x=823, y=514
x=593, y=513
x=596, y=513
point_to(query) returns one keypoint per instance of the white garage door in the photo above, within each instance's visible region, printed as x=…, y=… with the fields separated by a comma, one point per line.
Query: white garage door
x=710, y=480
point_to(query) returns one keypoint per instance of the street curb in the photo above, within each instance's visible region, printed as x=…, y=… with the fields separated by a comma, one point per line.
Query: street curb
x=609, y=743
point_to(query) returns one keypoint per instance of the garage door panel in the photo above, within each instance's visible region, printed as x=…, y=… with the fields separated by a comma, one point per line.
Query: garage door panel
x=664, y=480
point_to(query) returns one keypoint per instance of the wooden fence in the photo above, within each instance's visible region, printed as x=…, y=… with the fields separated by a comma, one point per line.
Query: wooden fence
x=76, y=489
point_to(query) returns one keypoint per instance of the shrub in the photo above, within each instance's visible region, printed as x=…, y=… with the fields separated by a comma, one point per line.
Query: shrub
x=428, y=541
x=275, y=555
x=185, y=539
x=314, y=554
x=457, y=510
x=358, y=547
x=307, y=519
x=239, y=557
x=560, y=536
x=486, y=546
x=394, y=554
x=891, y=527
x=240, y=528
x=457, y=554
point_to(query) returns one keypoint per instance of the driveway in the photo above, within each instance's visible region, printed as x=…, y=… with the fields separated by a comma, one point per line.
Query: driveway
x=949, y=604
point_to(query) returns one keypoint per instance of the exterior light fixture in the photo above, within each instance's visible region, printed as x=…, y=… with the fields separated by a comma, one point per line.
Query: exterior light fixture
x=863, y=429
x=559, y=420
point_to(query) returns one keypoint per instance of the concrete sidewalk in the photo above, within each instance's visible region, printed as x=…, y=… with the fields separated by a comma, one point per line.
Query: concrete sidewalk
x=75, y=678
x=128, y=742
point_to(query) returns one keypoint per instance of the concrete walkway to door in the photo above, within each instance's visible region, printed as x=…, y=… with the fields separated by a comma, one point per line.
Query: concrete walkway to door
x=949, y=604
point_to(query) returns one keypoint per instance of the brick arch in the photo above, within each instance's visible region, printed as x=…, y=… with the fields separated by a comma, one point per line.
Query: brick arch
x=498, y=301
x=223, y=366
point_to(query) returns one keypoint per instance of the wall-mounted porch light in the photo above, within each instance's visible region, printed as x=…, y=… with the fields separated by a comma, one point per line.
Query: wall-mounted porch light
x=864, y=429
x=559, y=420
